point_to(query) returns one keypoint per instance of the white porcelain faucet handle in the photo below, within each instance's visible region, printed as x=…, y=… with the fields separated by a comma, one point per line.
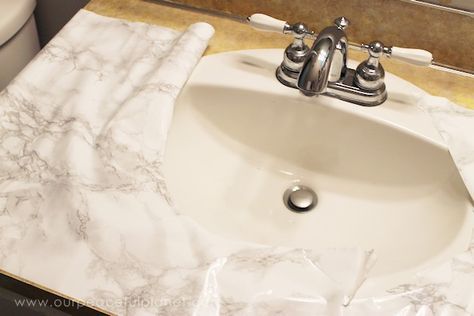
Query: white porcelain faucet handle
x=267, y=23
x=413, y=56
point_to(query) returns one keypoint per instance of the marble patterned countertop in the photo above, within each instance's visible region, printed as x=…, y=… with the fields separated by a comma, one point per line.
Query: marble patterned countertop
x=233, y=35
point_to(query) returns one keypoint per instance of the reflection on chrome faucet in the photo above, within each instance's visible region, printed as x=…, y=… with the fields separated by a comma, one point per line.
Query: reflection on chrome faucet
x=325, y=70
x=326, y=60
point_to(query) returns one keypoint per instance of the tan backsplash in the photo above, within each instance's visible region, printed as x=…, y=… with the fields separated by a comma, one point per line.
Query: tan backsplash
x=449, y=36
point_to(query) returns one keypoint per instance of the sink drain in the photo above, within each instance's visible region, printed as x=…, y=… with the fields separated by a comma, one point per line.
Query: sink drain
x=300, y=199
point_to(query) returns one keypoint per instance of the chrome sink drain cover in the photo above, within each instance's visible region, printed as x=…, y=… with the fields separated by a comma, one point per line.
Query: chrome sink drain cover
x=300, y=199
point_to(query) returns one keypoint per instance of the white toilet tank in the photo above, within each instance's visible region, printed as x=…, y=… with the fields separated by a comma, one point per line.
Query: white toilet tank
x=18, y=37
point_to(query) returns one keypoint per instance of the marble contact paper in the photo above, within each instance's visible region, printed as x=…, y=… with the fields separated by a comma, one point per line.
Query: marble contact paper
x=85, y=208
x=85, y=211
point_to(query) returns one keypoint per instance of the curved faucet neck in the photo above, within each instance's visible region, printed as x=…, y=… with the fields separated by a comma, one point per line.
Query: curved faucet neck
x=326, y=61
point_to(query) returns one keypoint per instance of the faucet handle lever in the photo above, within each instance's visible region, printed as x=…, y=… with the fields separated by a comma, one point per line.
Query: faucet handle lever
x=418, y=57
x=267, y=23
x=412, y=56
x=295, y=54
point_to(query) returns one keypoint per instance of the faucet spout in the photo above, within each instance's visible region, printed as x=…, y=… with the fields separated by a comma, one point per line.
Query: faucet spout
x=325, y=62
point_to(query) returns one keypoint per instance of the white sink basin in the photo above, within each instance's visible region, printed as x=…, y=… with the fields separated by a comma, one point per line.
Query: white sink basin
x=383, y=176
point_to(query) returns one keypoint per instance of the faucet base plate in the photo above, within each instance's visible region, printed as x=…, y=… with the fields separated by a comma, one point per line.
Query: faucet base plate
x=347, y=90
x=344, y=89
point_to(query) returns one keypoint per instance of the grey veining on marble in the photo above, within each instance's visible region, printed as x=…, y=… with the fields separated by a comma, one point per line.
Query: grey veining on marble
x=84, y=207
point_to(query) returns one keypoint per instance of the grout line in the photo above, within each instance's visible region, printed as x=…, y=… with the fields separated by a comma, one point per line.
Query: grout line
x=441, y=7
x=217, y=13
x=453, y=70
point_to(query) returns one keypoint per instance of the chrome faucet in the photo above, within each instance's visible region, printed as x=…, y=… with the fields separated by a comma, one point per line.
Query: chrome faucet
x=325, y=70
x=322, y=70
x=326, y=60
